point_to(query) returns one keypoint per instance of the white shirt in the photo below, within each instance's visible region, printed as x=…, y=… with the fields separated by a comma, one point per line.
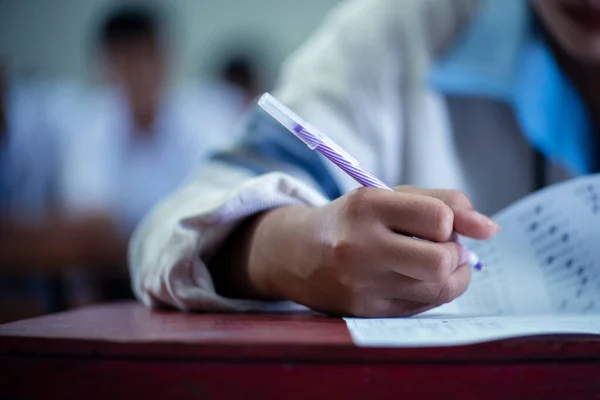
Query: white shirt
x=28, y=152
x=362, y=78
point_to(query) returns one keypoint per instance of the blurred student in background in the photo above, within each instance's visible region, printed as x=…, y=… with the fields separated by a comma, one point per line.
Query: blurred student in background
x=242, y=72
x=457, y=94
x=81, y=166
x=140, y=134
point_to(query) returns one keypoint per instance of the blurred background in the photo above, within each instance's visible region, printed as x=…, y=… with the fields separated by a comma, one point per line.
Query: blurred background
x=107, y=106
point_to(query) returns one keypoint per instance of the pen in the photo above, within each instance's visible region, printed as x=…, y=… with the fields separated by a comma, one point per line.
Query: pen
x=318, y=141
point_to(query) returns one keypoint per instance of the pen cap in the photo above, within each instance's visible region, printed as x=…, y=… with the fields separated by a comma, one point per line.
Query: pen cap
x=285, y=117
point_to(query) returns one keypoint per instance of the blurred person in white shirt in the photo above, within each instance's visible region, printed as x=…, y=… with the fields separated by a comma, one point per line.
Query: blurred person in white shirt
x=139, y=136
x=90, y=162
x=242, y=70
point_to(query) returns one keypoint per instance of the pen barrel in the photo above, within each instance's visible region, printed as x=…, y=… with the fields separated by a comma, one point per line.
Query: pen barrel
x=360, y=175
x=357, y=173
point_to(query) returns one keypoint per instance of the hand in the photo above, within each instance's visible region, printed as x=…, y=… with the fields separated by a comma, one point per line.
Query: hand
x=355, y=256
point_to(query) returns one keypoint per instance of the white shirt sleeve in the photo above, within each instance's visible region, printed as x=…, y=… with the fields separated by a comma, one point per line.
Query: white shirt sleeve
x=168, y=250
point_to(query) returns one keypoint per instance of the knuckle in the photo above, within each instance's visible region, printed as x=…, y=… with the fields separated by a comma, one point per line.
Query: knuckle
x=359, y=202
x=458, y=198
x=343, y=261
x=343, y=251
x=442, y=264
x=349, y=284
x=444, y=220
x=446, y=294
x=410, y=254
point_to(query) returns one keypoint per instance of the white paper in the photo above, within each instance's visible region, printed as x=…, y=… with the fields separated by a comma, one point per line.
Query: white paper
x=542, y=267
x=452, y=331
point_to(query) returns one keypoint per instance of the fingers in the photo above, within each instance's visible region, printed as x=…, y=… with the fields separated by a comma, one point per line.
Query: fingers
x=467, y=221
x=419, y=259
x=403, y=297
x=409, y=214
x=432, y=293
x=370, y=264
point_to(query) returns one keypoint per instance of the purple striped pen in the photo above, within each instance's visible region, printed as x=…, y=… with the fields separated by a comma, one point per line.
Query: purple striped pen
x=316, y=140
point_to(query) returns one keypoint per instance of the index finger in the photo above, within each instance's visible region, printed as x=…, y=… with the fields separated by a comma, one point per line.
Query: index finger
x=467, y=221
x=408, y=214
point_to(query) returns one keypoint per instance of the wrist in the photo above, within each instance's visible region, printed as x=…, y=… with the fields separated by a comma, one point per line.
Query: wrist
x=279, y=245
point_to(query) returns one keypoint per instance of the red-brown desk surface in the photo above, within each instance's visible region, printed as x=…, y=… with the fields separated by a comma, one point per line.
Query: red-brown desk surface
x=123, y=349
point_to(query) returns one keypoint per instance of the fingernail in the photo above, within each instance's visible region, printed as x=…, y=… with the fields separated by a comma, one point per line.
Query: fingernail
x=464, y=255
x=486, y=220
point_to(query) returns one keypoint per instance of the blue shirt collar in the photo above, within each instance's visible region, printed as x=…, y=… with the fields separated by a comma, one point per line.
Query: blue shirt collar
x=500, y=56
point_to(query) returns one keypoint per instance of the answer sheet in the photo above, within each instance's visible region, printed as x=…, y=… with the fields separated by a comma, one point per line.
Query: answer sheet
x=542, y=276
x=453, y=331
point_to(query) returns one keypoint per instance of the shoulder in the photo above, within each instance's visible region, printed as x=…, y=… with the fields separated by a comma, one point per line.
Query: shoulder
x=437, y=21
x=367, y=34
x=440, y=22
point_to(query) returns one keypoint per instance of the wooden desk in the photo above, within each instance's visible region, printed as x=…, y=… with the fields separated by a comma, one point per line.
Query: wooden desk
x=122, y=349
